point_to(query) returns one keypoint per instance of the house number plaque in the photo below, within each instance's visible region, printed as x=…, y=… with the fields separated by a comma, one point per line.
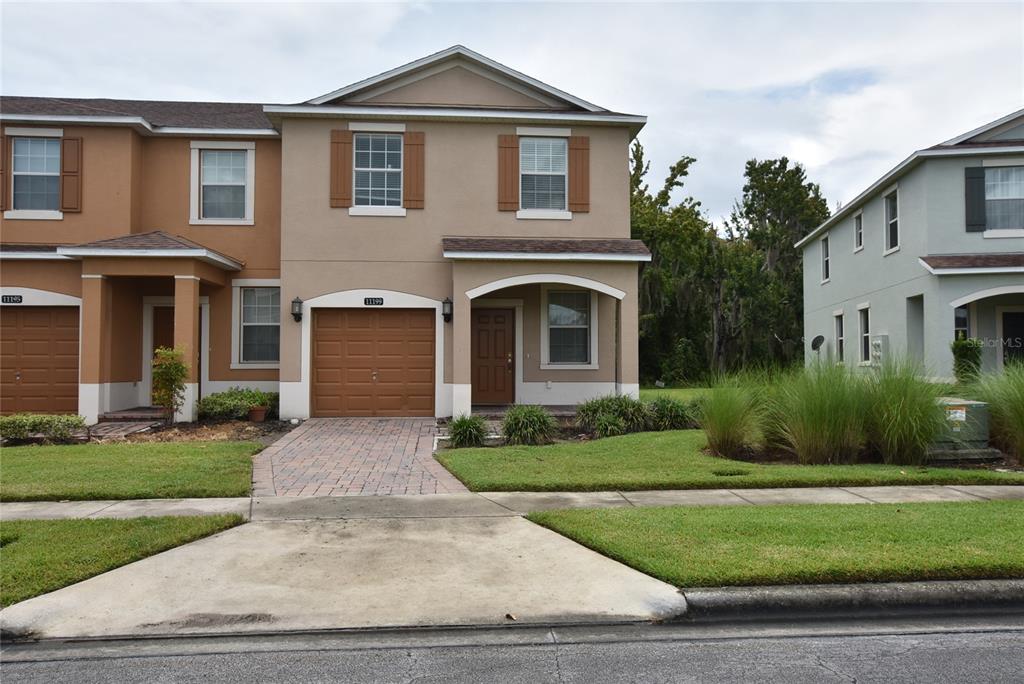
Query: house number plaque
x=11, y=299
x=373, y=301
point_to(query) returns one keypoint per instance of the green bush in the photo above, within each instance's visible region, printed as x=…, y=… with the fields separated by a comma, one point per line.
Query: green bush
x=818, y=414
x=169, y=374
x=1004, y=394
x=236, y=402
x=634, y=414
x=966, y=359
x=667, y=413
x=904, y=416
x=609, y=425
x=53, y=428
x=527, y=424
x=731, y=416
x=467, y=431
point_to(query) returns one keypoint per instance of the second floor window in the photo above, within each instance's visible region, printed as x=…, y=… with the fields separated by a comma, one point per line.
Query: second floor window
x=865, y=335
x=223, y=180
x=858, y=231
x=260, y=320
x=892, y=221
x=378, y=169
x=36, y=174
x=825, y=268
x=840, y=338
x=1004, y=197
x=543, y=173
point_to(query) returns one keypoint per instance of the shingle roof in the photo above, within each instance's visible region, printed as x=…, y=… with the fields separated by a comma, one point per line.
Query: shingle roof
x=1005, y=260
x=42, y=249
x=158, y=113
x=153, y=240
x=551, y=246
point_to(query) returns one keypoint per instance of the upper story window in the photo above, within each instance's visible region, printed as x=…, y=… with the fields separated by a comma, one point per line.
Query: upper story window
x=378, y=169
x=1004, y=197
x=223, y=180
x=260, y=320
x=865, y=335
x=858, y=232
x=35, y=170
x=543, y=173
x=825, y=265
x=892, y=221
x=840, y=338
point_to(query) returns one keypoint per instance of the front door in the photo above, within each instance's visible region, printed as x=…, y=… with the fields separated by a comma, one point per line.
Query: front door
x=1013, y=337
x=163, y=333
x=492, y=350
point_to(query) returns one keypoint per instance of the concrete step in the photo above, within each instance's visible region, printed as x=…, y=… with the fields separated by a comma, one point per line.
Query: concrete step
x=139, y=414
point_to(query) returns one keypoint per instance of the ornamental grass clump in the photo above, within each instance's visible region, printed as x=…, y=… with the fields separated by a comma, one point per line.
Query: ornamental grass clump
x=527, y=424
x=731, y=416
x=818, y=414
x=634, y=414
x=467, y=431
x=1004, y=394
x=904, y=416
x=667, y=413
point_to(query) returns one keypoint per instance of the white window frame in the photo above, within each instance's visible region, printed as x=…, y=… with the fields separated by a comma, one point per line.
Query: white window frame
x=526, y=133
x=195, y=194
x=236, y=322
x=996, y=233
x=30, y=214
x=367, y=209
x=887, y=222
x=826, y=260
x=545, y=350
x=858, y=231
x=839, y=334
x=967, y=330
x=864, y=334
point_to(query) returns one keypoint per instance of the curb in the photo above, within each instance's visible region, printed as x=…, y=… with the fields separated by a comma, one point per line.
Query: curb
x=852, y=600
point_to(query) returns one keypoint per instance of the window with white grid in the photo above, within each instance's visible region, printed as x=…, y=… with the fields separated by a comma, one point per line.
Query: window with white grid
x=260, y=337
x=36, y=174
x=543, y=173
x=569, y=327
x=378, y=169
x=1004, y=197
x=223, y=176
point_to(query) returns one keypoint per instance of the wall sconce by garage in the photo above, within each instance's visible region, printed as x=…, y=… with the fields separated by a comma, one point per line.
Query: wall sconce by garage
x=446, y=310
x=297, y=309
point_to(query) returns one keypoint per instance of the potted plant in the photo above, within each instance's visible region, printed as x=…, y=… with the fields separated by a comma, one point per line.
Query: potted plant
x=259, y=404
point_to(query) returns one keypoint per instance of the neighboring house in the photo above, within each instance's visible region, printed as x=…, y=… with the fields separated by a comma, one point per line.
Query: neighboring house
x=447, y=234
x=932, y=251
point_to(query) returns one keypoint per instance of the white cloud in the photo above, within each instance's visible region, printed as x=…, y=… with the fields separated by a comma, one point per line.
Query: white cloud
x=847, y=89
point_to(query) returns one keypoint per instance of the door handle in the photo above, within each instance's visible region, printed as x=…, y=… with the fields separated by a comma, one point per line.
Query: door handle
x=373, y=375
x=508, y=363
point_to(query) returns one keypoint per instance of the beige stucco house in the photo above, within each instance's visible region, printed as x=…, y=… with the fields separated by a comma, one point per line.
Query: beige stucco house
x=445, y=235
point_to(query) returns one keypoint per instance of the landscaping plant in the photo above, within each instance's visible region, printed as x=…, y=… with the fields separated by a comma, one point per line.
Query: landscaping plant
x=635, y=415
x=966, y=359
x=527, y=424
x=54, y=429
x=667, y=413
x=236, y=402
x=904, y=416
x=1004, y=394
x=467, y=431
x=818, y=414
x=609, y=425
x=731, y=416
x=169, y=374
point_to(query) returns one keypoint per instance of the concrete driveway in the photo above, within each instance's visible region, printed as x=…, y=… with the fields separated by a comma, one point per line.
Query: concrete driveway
x=408, y=561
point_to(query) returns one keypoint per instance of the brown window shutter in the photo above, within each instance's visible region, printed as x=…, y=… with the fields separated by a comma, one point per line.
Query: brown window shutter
x=71, y=174
x=4, y=162
x=508, y=173
x=412, y=171
x=341, y=168
x=579, y=173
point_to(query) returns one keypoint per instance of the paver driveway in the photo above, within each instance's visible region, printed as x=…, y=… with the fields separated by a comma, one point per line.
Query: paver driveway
x=352, y=457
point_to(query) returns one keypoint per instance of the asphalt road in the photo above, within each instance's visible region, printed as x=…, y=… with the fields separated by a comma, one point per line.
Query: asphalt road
x=974, y=650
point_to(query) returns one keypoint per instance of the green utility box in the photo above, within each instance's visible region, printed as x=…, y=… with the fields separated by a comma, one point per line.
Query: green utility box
x=966, y=424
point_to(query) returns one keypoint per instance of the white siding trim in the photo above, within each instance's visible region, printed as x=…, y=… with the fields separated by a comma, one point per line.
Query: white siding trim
x=34, y=132
x=544, y=214
x=33, y=297
x=544, y=132
x=1004, y=233
x=530, y=279
x=376, y=126
x=533, y=256
x=376, y=211
x=34, y=214
x=984, y=294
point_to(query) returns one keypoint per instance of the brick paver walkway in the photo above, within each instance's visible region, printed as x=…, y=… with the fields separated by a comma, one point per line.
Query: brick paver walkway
x=353, y=457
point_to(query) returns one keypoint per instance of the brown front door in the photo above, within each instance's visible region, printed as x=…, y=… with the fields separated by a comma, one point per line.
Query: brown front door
x=492, y=350
x=39, y=359
x=163, y=328
x=373, y=362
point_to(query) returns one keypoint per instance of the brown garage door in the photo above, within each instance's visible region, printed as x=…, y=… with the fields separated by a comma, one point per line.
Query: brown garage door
x=39, y=359
x=373, y=362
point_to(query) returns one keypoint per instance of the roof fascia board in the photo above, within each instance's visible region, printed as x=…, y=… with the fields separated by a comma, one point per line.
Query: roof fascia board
x=979, y=270
x=27, y=256
x=451, y=113
x=549, y=256
x=201, y=254
x=443, y=55
x=140, y=124
x=985, y=128
x=895, y=173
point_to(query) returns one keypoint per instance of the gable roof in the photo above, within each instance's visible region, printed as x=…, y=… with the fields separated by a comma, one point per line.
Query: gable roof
x=962, y=145
x=510, y=77
x=156, y=243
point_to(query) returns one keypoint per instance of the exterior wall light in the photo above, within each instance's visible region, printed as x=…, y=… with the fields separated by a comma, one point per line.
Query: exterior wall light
x=446, y=310
x=297, y=309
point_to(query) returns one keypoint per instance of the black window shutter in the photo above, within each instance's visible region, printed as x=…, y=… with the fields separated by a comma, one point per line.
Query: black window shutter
x=974, y=184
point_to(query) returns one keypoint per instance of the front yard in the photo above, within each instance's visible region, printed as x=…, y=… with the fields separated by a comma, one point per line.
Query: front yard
x=700, y=547
x=672, y=460
x=40, y=556
x=126, y=471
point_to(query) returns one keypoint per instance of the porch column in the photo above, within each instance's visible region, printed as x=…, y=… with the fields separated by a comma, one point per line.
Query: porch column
x=94, y=347
x=627, y=348
x=186, y=338
x=462, y=374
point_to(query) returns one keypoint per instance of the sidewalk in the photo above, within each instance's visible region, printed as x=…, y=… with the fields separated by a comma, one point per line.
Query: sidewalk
x=496, y=504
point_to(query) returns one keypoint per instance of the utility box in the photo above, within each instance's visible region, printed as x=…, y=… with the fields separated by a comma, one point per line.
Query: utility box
x=879, y=350
x=966, y=424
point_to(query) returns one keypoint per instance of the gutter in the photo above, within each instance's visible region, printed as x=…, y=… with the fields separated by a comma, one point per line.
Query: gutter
x=139, y=124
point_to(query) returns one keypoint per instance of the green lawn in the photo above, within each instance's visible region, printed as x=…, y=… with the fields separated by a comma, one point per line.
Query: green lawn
x=43, y=555
x=700, y=547
x=670, y=460
x=126, y=471
x=680, y=393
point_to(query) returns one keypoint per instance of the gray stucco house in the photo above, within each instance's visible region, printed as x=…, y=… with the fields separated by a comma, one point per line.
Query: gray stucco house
x=932, y=250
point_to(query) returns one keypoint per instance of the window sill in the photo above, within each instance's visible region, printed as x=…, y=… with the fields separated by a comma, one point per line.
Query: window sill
x=826, y=280
x=220, y=222
x=376, y=211
x=34, y=214
x=858, y=249
x=569, y=366
x=891, y=250
x=255, y=366
x=864, y=364
x=1004, y=233
x=544, y=214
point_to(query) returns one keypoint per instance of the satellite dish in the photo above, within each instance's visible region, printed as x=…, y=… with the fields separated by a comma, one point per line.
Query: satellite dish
x=817, y=342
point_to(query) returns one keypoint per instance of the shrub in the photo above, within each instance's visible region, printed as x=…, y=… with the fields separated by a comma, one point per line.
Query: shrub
x=52, y=428
x=609, y=425
x=236, y=402
x=467, y=431
x=1004, y=394
x=169, y=375
x=904, y=416
x=634, y=414
x=818, y=414
x=730, y=413
x=966, y=359
x=526, y=424
x=667, y=413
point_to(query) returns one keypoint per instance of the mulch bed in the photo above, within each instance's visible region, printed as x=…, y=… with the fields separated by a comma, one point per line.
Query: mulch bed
x=215, y=431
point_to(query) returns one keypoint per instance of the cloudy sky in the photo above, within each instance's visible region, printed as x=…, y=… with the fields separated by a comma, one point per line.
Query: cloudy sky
x=848, y=89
